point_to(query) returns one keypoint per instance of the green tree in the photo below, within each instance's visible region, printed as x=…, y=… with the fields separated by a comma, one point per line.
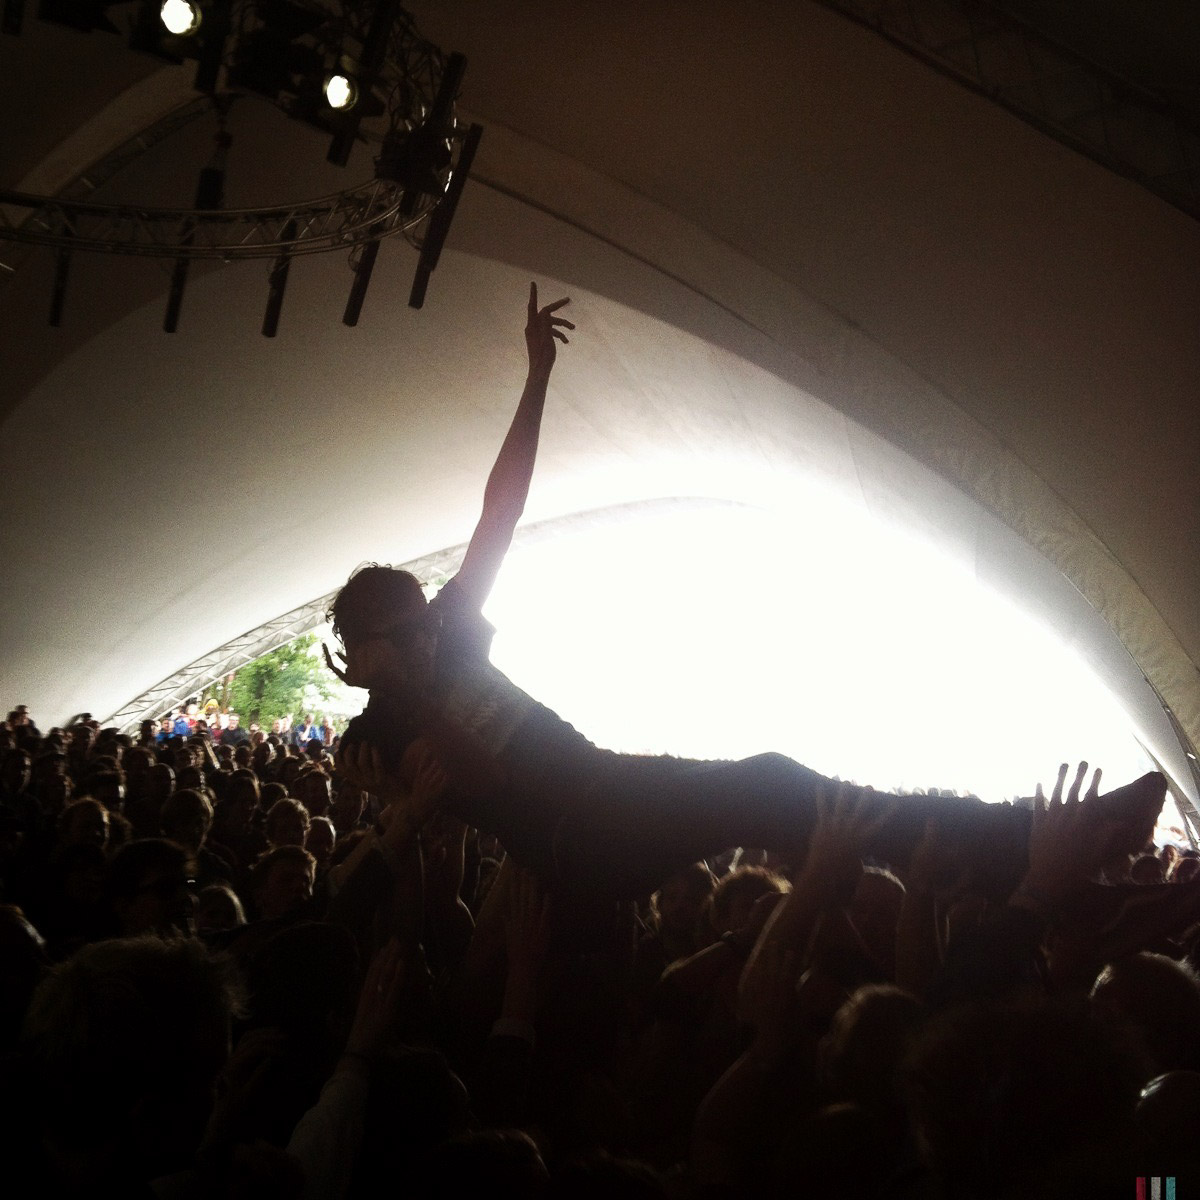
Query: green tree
x=275, y=685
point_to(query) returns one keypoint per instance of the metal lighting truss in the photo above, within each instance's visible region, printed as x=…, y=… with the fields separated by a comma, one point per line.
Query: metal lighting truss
x=1125, y=127
x=403, y=99
x=364, y=213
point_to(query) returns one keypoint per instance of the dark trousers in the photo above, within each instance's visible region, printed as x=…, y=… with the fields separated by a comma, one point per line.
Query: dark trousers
x=599, y=822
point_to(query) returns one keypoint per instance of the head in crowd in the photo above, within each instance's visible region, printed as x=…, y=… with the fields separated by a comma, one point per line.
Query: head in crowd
x=385, y=608
x=321, y=839
x=1160, y=998
x=262, y=757
x=218, y=909
x=373, y=598
x=83, y=821
x=269, y=794
x=121, y=1049
x=347, y=808
x=735, y=896
x=15, y=773
x=162, y=781
x=313, y=790
x=55, y=792
x=1186, y=869
x=148, y=888
x=186, y=818
x=287, y=823
x=680, y=901
x=1147, y=868
x=290, y=770
x=242, y=792
x=137, y=763
x=866, y=1045
x=282, y=881
x=107, y=786
x=1001, y=1093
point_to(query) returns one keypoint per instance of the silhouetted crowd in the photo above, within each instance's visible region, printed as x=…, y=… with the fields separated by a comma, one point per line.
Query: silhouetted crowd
x=229, y=971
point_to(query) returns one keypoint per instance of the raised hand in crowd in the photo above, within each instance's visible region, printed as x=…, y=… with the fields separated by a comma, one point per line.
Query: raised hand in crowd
x=543, y=329
x=409, y=797
x=1069, y=842
x=932, y=878
x=846, y=822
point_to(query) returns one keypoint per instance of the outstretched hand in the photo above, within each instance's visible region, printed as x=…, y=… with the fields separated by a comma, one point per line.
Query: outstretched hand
x=340, y=672
x=542, y=329
x=938, y=865
x=411, y=797
x=846, y=822
x=1068, y=840
x=362, y=764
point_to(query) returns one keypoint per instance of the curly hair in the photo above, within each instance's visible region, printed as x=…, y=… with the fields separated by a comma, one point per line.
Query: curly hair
x=373, y=596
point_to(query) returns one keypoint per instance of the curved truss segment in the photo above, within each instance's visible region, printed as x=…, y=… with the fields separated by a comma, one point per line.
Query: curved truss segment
x=371, y=210
x=190, y=680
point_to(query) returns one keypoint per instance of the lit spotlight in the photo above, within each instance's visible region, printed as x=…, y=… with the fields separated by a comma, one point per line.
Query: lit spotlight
x=341, y=92
x=180, y=17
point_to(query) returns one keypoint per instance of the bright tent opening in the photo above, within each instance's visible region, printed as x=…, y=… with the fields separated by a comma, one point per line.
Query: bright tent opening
x=720, y=632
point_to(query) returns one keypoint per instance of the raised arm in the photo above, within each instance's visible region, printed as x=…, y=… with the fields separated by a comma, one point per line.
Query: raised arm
x=508, y=484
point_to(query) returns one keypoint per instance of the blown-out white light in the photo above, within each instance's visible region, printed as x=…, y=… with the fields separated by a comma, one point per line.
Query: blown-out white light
x=865, y=653
x=340, y=91
x=179, y=17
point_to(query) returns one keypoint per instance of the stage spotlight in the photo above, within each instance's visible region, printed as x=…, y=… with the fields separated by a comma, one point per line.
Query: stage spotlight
x=180, y=17
x=374, y=53
x=341, y=92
